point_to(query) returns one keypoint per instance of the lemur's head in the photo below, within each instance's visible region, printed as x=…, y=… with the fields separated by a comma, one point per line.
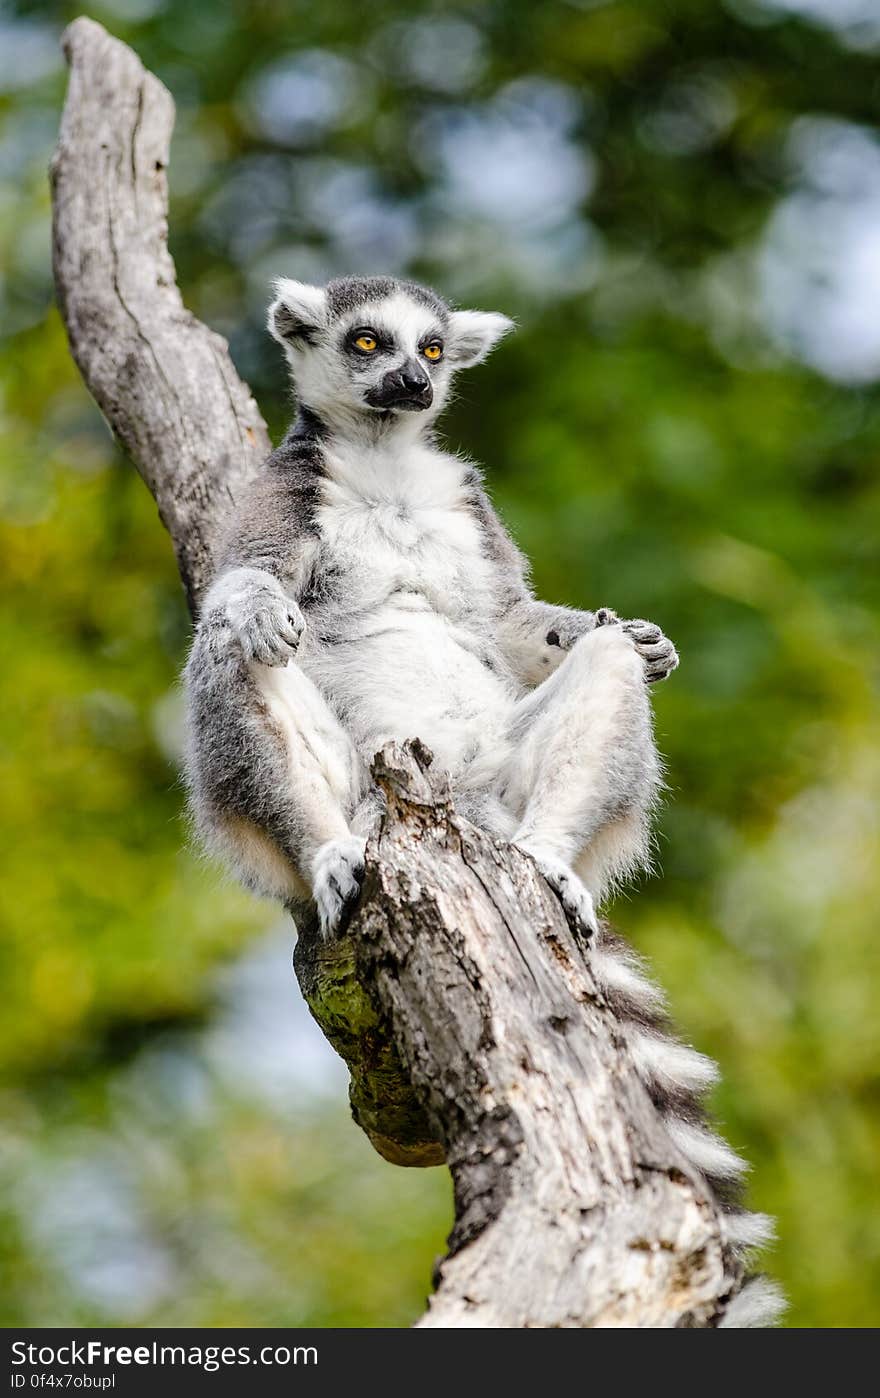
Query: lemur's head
x=377, y=348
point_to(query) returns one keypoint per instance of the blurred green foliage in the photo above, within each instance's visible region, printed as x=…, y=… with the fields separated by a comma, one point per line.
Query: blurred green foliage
x=675, y=199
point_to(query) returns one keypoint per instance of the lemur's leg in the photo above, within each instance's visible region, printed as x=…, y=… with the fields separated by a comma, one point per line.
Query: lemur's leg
x=583, y=770
x=274, y=777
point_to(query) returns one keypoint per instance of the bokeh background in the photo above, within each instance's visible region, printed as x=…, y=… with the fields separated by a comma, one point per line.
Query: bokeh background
x=680, y=203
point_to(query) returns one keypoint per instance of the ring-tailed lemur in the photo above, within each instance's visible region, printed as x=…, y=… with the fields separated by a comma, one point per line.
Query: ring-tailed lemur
x=367, y=591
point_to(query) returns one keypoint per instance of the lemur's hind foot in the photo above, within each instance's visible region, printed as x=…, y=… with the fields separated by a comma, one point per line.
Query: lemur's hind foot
x=337, y=876
x=573, y=894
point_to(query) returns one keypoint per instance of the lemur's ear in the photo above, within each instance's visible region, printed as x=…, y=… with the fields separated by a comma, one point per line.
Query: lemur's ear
x=472, y=334
x=297, y=312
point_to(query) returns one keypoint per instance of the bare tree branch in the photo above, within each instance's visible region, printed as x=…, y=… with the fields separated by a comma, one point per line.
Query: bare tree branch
x=464, y=1005
x=572, y=1206
x=163, y=380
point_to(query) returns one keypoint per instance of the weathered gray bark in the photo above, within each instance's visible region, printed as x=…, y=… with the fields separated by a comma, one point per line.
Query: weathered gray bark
x=572, y=1208
x=164, y=381
x=461, y=1000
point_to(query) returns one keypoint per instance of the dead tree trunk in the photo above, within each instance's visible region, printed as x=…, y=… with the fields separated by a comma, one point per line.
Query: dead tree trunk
x=462, y=1002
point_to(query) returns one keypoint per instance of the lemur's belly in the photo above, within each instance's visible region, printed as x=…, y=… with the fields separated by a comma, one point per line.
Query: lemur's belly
x=407, y=671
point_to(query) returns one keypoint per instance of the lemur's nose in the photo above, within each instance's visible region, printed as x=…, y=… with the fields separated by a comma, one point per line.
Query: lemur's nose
x=407, y=388
x=413, y=379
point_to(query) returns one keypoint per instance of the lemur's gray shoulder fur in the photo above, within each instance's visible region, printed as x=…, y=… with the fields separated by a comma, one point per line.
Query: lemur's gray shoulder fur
x=276, y=514
x=511, y=563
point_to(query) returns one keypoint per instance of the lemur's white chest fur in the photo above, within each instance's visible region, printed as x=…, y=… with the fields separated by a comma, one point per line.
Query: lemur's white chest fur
x=408, y=649
x=395, y=517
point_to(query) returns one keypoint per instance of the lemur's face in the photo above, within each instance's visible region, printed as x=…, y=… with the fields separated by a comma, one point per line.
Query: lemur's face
x=375, y=346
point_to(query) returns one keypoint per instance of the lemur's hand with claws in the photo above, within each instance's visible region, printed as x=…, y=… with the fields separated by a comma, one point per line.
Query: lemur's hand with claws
x=266, y=621
x=656, y=650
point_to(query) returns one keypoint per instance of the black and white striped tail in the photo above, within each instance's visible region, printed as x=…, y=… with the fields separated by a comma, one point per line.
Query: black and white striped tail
x=677, y=1078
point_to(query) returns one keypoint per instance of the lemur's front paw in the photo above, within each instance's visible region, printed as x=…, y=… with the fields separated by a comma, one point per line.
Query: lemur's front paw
x=337, y=875
x=268, y=626
x=657, y=651
x=573, y=894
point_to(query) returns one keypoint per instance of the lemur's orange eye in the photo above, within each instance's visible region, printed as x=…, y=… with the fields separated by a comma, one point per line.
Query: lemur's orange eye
x=367, y=343
x=433, y=352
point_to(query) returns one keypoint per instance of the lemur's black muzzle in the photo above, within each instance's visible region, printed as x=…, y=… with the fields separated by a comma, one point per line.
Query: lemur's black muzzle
x=408, y=388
